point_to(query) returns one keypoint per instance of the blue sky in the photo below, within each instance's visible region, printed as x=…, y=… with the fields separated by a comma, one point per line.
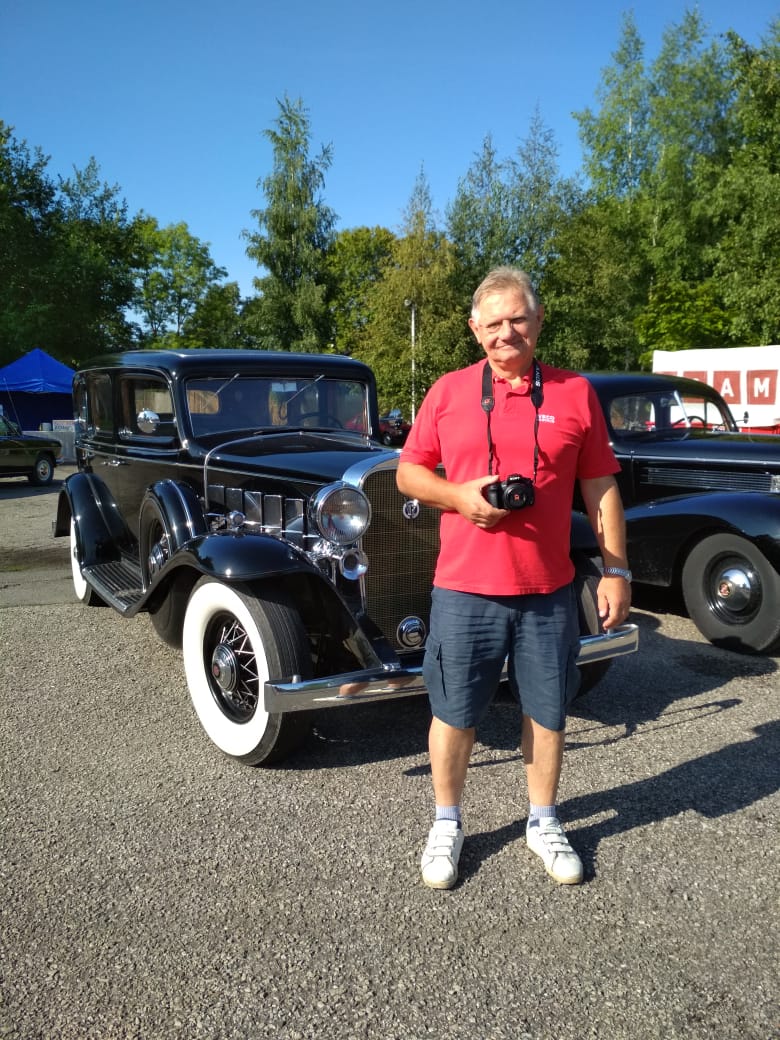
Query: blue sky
x=172, y=97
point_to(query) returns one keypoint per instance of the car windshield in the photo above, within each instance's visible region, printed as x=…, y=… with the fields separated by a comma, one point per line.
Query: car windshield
x=669, y=414
x=257, y=403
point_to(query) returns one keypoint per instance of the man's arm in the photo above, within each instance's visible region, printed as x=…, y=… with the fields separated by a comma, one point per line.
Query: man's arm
x=417, y=481
x=605, y=511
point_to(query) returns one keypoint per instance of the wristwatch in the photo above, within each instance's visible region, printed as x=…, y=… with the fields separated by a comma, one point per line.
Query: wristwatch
x=617, y=572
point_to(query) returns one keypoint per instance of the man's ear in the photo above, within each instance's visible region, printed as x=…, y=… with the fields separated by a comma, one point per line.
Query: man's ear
x=473, y=326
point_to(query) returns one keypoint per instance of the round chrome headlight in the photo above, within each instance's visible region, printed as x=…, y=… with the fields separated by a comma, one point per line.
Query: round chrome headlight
x=341, y=513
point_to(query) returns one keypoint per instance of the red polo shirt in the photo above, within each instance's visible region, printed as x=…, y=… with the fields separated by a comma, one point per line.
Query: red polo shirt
x=527, y=551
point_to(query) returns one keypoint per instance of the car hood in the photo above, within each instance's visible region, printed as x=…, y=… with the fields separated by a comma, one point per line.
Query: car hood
x=727, y=449
x=318, y=457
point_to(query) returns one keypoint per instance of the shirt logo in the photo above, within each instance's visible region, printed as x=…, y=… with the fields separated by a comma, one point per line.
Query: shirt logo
x=546, y=418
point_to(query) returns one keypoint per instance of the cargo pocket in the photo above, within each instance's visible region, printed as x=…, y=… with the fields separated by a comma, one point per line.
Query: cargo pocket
x=433, y=672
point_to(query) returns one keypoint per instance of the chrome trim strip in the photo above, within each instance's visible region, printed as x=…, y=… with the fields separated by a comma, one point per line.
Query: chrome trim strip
x=358, y=472
x=387, y=683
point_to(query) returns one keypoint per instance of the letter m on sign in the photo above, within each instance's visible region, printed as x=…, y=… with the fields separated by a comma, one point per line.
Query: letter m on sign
x=762, y=386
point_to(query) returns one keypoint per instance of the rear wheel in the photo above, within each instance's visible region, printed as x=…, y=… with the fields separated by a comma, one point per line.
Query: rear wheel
x=43, y=472
x=233, y=642
x=732, y=592
x=81, y=587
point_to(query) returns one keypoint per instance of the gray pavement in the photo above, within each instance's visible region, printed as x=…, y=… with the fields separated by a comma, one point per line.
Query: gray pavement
x=150, y=888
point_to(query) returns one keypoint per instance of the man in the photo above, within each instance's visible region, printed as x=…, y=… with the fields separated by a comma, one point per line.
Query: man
x=503, y=581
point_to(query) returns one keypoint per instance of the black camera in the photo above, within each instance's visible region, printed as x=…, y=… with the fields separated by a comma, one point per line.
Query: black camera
x=515, y=492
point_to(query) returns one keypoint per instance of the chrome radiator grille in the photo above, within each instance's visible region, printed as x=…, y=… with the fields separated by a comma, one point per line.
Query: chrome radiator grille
x=402, y=556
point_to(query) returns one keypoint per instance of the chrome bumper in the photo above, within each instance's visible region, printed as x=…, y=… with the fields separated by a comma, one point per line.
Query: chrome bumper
x=386, y=683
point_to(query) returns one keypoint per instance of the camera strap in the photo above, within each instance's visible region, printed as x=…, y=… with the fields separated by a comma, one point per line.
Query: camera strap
x=489, y=401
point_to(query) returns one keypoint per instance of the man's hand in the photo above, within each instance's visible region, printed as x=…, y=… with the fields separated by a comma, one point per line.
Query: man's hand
x=472, y=504
x=614, y=599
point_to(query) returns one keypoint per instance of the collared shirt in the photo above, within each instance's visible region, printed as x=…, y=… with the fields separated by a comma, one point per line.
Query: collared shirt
x=527, y=551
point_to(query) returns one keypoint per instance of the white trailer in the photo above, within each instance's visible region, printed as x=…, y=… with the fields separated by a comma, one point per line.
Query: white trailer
x=747, y=378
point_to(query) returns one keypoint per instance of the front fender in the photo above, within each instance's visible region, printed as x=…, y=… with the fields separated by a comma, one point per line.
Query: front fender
x=660, y=534
x=237, y=556
x=342, y=640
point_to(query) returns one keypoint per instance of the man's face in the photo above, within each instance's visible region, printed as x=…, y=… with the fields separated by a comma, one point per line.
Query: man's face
x=507, y=330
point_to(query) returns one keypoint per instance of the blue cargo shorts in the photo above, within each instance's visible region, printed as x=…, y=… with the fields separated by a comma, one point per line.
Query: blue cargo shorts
x=471, y=638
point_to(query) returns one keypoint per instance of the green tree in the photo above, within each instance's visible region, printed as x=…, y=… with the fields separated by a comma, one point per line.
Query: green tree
x=28, y=214
x=292, y=244
x=417, y=282
x=593, y=290
x=680, y=316
x=355, y=264
x=65, y=275
x=175, y=272
x=92, y=276
x=217, y=320
x=509, y=212
x=480, y=222
x=619, y=147
x=743, y=205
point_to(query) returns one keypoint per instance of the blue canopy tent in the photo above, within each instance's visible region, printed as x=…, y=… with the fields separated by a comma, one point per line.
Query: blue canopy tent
x=36, y=389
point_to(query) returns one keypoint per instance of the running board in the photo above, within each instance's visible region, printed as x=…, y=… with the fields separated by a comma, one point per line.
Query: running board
x=118, y=583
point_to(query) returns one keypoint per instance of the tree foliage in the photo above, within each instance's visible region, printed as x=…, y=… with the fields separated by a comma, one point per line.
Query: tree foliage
x=356, y=263
x=175, y=273
x=294, y=237
x=65, y=262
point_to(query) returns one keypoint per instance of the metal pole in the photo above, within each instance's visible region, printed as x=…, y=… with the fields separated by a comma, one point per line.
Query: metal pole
x=413, y=306
x=414, y=385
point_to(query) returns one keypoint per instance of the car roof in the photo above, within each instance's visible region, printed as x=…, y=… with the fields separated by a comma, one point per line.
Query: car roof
x=616, y=383
x=190, y=361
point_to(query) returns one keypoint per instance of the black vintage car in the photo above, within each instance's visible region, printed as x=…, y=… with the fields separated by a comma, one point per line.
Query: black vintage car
x=25, y=455
x=242, y=500
x=702, y=504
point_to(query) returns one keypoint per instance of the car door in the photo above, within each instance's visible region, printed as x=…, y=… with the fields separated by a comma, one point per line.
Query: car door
x=147, y=443
x=16, y=454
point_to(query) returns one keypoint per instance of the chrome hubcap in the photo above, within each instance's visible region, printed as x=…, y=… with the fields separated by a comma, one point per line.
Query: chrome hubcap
x=224, y=668
x=736, y=590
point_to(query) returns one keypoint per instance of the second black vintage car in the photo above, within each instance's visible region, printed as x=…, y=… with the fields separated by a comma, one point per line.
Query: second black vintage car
x=702, y=504
x=242, y=499
x=26, y=455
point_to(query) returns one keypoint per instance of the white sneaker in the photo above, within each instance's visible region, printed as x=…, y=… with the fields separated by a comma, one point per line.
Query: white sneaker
x=440, y=859
x=548, y=840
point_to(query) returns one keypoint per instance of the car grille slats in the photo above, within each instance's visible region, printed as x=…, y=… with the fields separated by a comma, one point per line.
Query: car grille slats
x=707, y=479
x=402, y=555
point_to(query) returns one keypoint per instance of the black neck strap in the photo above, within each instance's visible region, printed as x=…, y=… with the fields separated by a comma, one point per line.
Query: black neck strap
x=488, y=403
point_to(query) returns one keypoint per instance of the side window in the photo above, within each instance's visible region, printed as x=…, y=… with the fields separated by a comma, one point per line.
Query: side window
x=100, y=408
x=146, y=408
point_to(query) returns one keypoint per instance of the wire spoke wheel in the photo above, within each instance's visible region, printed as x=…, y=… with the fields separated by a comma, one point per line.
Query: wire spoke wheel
x=233, y=642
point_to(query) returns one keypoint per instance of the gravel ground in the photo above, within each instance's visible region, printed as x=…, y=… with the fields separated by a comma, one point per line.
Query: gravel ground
x=151, y=888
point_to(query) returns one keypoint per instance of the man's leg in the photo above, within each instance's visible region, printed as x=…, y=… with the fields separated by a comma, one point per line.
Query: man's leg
x=543, y=757
x=450, y=751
